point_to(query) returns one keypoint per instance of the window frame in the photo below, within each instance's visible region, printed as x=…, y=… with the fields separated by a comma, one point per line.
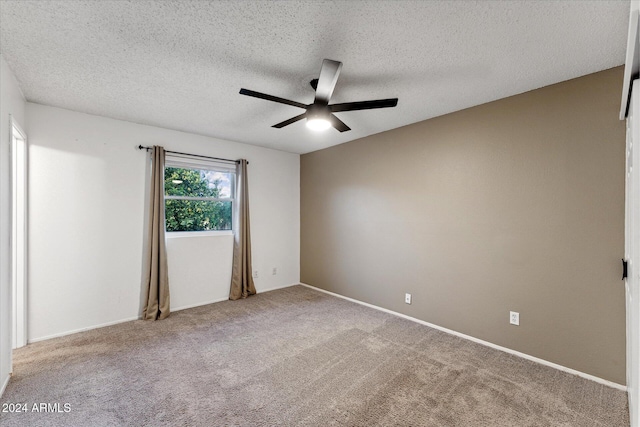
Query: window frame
x=199, y=164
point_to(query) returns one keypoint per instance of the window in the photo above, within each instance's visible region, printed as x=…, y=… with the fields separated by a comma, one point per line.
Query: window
x=198, y=196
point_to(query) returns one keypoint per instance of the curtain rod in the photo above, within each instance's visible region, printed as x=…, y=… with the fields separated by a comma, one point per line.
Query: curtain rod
x=141, y=147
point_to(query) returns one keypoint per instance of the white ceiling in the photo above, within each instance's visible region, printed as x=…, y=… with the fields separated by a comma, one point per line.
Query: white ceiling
x=180, y=64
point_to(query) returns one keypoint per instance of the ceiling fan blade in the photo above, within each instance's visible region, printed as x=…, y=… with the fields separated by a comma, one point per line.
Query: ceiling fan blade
x=338, y=124
x=364, y=105
x=291, y=120
x=271, y=98
x=327, y=81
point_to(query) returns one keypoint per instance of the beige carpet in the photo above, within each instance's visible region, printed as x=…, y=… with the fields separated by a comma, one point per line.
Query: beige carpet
x=293, y=357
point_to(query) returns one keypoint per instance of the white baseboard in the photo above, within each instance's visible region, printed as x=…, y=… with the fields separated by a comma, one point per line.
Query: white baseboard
x=115, y=322
x=4, y=385
x=75, y=331
x=226, y=298
x=277, y=287
x=198, y=304
x=479, y=341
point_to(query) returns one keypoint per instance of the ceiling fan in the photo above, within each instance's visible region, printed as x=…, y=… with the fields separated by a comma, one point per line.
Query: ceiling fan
x=320, y=115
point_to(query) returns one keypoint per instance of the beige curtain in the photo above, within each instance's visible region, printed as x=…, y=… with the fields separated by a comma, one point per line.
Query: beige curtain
x=157, y=272
x=241, y=280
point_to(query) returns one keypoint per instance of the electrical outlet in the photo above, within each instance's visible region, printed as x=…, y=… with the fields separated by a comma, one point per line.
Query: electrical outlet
x=255, y=274
x=514, y=318
x=407, y=298
x=274, y=271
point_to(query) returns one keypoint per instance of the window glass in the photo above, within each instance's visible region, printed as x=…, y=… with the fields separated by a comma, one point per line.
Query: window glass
x=198, y=199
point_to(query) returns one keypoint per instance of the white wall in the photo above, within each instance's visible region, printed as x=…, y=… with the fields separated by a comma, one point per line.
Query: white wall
x=87, y=193
x=11, y=103
x=191, y=269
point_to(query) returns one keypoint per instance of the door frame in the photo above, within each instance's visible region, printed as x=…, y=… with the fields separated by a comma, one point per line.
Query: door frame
x=632, y=252
x=18, y=152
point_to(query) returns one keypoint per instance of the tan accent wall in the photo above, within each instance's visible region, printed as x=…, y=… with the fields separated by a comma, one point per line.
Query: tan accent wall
x=516, y=205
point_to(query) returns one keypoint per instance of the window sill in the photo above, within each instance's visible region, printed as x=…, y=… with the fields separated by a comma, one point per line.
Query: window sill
x=180, y=234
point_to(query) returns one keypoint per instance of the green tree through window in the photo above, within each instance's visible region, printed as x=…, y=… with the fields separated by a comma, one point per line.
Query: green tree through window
x=197, y=199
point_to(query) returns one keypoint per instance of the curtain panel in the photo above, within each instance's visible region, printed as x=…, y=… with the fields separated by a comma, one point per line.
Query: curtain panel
x=241, y=279
x=156, y=269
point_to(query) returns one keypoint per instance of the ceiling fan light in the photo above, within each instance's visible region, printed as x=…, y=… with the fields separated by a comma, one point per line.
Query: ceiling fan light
x=318, y=124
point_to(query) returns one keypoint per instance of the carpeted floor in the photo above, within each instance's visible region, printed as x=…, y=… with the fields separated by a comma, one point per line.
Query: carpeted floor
x=293, y=357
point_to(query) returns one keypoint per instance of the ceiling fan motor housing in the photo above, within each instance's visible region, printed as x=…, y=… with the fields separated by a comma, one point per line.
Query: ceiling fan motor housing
x=318, y=111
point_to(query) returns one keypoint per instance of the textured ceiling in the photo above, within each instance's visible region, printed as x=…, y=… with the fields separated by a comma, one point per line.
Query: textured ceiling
x=180, y=64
